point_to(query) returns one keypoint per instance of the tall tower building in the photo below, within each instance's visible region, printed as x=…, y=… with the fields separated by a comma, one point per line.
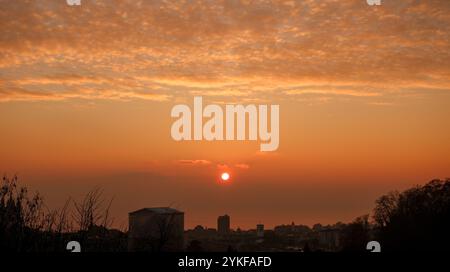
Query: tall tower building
x=260, y=230
x=223, y=224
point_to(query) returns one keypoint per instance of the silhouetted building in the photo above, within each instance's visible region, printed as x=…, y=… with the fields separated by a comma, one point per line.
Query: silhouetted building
x=292, y=229
x=156, y=229
x=317, y=227
x=260, y=230
x=223, y=224
x=329, y=238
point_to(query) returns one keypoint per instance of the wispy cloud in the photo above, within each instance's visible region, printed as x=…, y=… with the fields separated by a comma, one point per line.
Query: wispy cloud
x=194, y=162
x=242, y=166
x=332, y=92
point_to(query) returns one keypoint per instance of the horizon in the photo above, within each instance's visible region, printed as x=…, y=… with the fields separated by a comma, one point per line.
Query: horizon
x=120, y=220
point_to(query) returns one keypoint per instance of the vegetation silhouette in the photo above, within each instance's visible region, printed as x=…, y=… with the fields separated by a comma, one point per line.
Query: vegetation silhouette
x=27, y=225
x=356, y=234
x=417, y=219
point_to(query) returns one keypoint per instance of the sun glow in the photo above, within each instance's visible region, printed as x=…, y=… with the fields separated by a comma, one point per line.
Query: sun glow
x=225, y=176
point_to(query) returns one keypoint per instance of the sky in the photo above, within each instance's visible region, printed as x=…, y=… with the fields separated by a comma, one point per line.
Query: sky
x=364, y=93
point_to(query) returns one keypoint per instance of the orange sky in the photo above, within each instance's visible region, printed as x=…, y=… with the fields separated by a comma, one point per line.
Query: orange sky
x=86, y=94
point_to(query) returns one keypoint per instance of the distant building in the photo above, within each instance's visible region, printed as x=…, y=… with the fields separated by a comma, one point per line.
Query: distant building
x=260, y=230
x=317, y=227
x=200, y=233
x=156, y=229
x=329, y=238
x=223, y=224
x=292, y=229
x=199, y=228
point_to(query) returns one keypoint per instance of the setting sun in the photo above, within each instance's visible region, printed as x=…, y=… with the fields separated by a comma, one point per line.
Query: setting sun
x=225, y=176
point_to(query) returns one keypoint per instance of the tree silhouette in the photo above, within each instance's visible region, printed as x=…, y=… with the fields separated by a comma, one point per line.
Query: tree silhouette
x=417, y=219
x=27, y=225
x=356, y=234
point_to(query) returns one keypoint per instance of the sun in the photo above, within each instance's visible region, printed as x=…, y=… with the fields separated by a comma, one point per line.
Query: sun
x=225, y=176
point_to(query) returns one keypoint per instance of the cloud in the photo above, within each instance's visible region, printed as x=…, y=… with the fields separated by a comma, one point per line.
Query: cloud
x=46, y=92
x=386, y=104
x=242, y=166
x=194, y=162
x=332, y=92
x=161, y=49
x=223, y=166
x=219, y=165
